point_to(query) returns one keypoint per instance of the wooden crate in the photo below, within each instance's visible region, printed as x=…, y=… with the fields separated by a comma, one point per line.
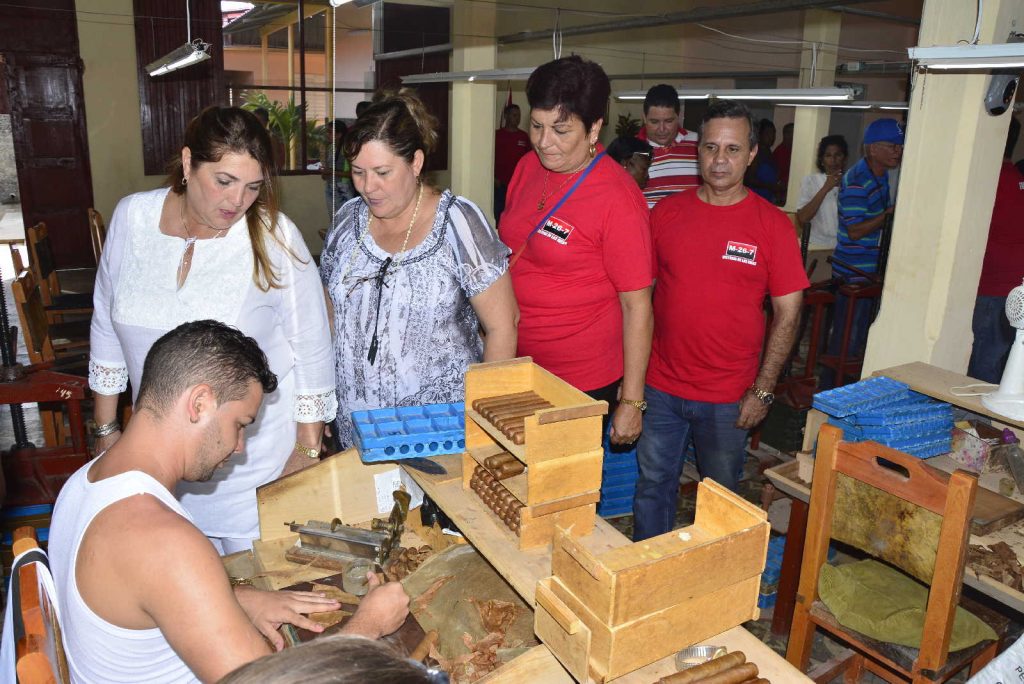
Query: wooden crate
x=340, y=486
x=606, y=615
x=562, y=449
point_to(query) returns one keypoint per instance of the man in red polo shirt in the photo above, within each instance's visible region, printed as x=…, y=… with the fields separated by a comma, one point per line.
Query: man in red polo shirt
x=719, y=250
x=510, y=144
x=674, y=165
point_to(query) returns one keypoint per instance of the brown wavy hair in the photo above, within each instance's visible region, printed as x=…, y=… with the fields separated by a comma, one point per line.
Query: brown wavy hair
x=215, y=132
x=400, y=120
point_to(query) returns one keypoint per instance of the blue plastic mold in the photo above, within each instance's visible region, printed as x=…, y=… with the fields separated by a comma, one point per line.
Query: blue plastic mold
x=860, y=396
x=391, y=434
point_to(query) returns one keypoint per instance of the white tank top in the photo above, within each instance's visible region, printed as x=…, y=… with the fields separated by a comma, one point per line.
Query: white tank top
x=97, y=650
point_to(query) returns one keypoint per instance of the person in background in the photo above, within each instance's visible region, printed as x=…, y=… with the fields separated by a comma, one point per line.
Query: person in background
x=864, y=205
x=674, y=164
x=783, y=154
x=214, y=245
x=336, y=659
x=634, y=155
x=414, y=273
x=510, y=144
x=763, y=174
x=1001, y=271
x=719, y=251
x=818, y=203
x=143, y=595
x=578, y=228
x=334, y=169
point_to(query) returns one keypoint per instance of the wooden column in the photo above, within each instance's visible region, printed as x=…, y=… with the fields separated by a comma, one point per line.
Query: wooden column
x=473, y=105
x=810, y=124
x=947, y=186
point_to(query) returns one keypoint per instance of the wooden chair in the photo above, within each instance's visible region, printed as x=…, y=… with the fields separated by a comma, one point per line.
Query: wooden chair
x=39, y=647
x=45, y=341
x=98, y=233
x=934, y=552
x=56, y=302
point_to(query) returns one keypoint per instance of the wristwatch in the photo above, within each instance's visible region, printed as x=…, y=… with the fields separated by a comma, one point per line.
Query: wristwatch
x=640, y=405
x=764, y=396
x=309, y=452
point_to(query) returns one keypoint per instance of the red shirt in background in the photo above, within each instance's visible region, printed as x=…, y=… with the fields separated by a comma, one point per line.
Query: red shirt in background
x=783, y=155
x=713, y=267
x=1003, y=267
x=509, y=148
x=568, y=279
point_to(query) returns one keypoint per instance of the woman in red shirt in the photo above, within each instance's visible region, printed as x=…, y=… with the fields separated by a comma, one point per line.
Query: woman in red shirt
x=578, y=228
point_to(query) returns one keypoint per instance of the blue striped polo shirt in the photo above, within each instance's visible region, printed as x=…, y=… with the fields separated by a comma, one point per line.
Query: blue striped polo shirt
x=862, y=197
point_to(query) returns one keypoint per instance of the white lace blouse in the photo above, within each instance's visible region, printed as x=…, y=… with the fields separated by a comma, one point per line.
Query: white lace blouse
x=136, y=301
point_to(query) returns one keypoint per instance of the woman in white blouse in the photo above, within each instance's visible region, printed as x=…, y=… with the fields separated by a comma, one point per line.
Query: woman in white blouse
x=819, y=193
x=213, y=245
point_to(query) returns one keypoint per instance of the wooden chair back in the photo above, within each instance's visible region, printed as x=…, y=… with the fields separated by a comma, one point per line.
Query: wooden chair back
x=41, y=262
x=39, y=649
x=35, y=326
x=98, y=233
x=893, y=507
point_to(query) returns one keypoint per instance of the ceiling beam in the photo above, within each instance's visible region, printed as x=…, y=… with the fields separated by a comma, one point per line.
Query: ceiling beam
x=872, y=14
x=690, y=16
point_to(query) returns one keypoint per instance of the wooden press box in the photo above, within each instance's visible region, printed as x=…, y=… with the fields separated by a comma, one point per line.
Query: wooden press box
x=606, y=615
x=555, y=433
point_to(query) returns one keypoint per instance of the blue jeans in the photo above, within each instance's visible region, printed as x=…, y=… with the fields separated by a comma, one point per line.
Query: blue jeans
x=993, y=337
x=862, y=317
x=670, y=422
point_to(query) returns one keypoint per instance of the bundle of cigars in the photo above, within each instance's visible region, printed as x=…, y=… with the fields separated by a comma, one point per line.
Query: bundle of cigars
x=508, y=412
x=499, y=499
x=732, y=668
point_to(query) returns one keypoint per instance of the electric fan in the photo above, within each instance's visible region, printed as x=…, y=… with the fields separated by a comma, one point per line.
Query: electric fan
x=1008, y=400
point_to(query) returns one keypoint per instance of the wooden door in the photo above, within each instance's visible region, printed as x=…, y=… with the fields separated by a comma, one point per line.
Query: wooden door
x=51, y=150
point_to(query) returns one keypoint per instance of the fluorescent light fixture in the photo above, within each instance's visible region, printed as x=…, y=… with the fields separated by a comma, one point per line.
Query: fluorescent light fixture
x=187, y=55
x=969, y=57
x=516, y=74
x=759, y=94
x=859, y=104
x=357, y=3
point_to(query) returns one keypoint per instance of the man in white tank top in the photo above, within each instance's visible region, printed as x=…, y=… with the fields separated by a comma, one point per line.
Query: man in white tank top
x=144, y=596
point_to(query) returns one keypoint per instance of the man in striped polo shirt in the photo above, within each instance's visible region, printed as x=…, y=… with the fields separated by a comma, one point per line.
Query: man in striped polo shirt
x=864, y=206
x=674, y=166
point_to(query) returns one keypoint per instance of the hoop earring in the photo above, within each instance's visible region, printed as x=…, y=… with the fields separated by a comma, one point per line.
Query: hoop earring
x=184, y=180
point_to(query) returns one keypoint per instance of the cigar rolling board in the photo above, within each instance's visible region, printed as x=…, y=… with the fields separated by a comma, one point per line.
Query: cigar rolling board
x=546, y=436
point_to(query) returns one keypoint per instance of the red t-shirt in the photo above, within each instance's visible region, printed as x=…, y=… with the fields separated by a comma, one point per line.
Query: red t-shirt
x=509, y=147
x=713, y=267
x=1003, y=267
x=569, y=275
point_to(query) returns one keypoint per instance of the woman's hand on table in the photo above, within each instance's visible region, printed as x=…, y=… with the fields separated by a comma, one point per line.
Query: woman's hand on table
x=627, y=423
x=381, y=611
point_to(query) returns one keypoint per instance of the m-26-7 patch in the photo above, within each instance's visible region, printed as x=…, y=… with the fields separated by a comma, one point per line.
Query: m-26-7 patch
x=741, y=252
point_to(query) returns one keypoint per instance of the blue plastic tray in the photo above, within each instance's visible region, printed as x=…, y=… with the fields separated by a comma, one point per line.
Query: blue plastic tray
x=860, y=396
x=914, y=408
x=391, y=434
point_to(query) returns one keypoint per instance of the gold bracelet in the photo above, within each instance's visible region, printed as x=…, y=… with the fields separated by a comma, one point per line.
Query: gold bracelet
x=307, y=451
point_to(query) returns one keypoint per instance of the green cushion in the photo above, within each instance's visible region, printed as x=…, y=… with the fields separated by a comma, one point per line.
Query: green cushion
x=882, y=603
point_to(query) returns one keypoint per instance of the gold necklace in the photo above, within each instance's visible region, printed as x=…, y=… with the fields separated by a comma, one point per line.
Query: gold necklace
x=185, y=263
x=366, y=230
x=545, y=195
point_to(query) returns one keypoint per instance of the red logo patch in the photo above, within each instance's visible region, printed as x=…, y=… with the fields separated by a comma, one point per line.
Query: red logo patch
x=741, y=252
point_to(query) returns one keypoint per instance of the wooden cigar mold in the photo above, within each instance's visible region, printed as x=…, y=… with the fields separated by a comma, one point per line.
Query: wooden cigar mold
x=496, y=497
x=508, y=412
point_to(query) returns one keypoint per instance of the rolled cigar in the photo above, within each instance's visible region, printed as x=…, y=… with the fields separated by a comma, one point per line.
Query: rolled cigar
x=734, y=675
x=423, y=648
x=707, y=669
x=500, y=411
x=518, y=413
x=759, y=680
x=518, y=438
x=498, y=460
x=484, y=402
x=509, y=469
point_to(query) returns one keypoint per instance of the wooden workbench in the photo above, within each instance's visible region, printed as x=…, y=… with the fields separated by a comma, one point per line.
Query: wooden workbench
x=522, y=570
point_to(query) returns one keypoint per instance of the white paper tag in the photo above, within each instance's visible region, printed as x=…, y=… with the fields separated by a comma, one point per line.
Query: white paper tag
x=388, y=482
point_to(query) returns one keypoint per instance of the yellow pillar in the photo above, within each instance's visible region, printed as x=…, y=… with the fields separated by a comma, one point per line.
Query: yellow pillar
x=293, y=148
x=947, y=186
x=472, y=120
x=264, y=49
x=810, y=124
